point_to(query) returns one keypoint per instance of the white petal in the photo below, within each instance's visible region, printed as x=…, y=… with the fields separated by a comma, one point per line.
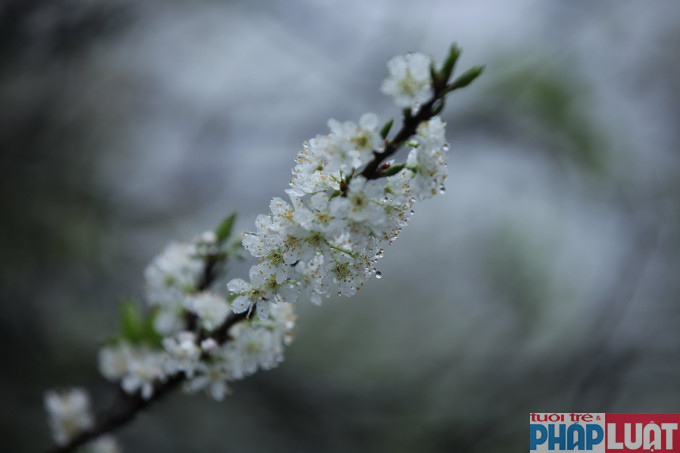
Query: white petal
x=263, y=310
x=240, y=304
x=368, y=121
x=238, y=286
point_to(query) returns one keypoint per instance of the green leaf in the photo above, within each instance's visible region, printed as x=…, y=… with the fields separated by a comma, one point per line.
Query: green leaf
x=135, y=326
x=223, y=231
x=386, y=128
x=450, y=63
x=149, y=334
x=130, y=322
x=393, y=170
x=434, y=76
x=466, y=78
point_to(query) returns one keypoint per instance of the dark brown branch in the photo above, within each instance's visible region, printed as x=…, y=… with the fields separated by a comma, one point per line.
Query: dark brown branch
x=210, y=269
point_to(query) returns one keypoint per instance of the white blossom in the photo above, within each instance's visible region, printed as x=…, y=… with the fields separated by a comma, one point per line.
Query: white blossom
x=266, y=286
x=431, y=134
x=212, y=309
x=259, y=348
x=144, y=371
x=429, y=166
x=114, y=361
x=362, y=203
x=169, y=278
x=208, y=345
x=312, y=279
x=285, y=321
x=103, y=444
x=68, y=413
x=183, y=354
x=349, y=145
x=213, y=377
x=410, y=82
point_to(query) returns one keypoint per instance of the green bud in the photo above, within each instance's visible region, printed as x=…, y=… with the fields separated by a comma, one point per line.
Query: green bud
x=386, y=128
x=223, y=231
x=434, y=76
x=466, y=78
x=450, y=63
x=393, y=170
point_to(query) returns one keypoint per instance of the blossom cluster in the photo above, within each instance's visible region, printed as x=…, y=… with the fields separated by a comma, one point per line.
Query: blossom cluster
x=330, y=233
x=204, y=362
x=173, y=291
x=69, y=414
x=347, y=201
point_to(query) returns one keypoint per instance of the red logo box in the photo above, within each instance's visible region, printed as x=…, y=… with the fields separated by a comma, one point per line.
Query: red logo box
x=642, y=433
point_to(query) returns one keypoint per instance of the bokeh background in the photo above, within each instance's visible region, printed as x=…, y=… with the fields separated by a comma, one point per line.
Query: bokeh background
x=545, y=279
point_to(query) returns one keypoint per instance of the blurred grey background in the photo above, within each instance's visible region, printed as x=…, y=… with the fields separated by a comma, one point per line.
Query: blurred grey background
x=545, y=279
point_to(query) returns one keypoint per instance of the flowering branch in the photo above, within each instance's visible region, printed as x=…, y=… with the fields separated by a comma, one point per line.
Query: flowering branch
x=126, y=407
x=431, y=108
x=346, y=204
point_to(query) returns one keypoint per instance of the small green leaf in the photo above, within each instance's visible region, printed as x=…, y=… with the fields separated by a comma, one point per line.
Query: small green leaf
x=466, y=78
x=386, y=128
x=149, y=334
x=450, y=63
x=434, y=76
x=335, y=194
x=136, y=327
x=393, y=169
x=130, y=322
x=223, y=231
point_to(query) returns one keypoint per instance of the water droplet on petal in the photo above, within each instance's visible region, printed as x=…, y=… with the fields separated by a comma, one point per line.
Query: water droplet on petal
x=442, y=190
x=378, y=274
x=412, y=212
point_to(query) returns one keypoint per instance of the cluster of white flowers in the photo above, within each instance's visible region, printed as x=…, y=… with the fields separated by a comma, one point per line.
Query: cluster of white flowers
x=170, y=278
x=327, y=238
x=330, y=234
x=346, y=204
x=69, y=415
x=172, y=281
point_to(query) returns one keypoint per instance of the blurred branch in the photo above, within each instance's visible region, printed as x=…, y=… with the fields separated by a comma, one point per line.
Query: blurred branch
x=126, y=407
